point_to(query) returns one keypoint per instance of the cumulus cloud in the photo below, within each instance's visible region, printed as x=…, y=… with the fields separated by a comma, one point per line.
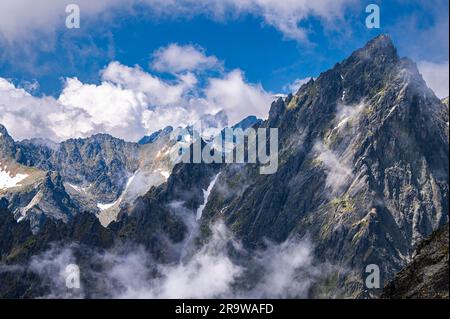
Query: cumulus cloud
x=26, y=116
x=237, y=97
x=110, y=108
x=175, y=59
x=154, y=90
x=437, y=76
x=128, y=103
x=80, y=111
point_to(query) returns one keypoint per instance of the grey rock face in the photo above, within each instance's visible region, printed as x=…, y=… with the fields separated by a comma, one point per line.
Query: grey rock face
x=94, y=174
x=363, y=171
x=50, y=201
x=97, y=168
x=100, y=163
x=7, y=144
x=427, y=276
x=248, y=122
x=18, y=246
x=154, y=136
x=363, y=167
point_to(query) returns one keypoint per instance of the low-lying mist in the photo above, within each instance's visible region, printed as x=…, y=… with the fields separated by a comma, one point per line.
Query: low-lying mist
x=220, y=268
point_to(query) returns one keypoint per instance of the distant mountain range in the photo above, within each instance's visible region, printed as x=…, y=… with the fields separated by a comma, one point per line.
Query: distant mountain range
x=363, y=178
x=100, y=174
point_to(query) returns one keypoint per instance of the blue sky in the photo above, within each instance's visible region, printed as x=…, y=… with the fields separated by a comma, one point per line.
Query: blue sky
x=271, y=44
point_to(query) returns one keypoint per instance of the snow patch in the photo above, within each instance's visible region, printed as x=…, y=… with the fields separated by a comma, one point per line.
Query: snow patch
x=106, y=206
x=77, y=188
x=205, y=197
x=165, y=174
x=130, y=180
x=163, y=153
x=7, y=180
x=33, y=202
x=342, y=122
x=392, y=110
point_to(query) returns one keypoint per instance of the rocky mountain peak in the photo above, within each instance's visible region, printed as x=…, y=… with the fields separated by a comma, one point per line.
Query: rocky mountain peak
x=380, y=45
x=3, y=130
x=379, y=54
x=155, y=135
x=7, y=145
x=363, y=172
x=4, y=135
x=366, y=160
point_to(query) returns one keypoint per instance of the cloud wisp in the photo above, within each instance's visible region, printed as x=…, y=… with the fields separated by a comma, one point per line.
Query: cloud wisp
x=22, y=19
x=285, y=270
x=436, y=75
x=177, y=58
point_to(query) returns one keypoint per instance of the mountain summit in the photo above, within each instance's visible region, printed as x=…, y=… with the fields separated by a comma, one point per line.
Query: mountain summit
x=363, y=175
x=363, y=167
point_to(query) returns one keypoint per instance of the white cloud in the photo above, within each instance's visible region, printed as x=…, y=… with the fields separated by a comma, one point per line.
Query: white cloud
x=111, y=109
x=175, y=59
x=237, y=97
x=20, y=19
x=338, y=172
x=51, y=266
x=128, y=103
x=288, y=270
x=26, y=116
x=283, y=270
x=437, y=76
x=155, y=90
x=295, y=86
x=209, y=273
x=285, y=15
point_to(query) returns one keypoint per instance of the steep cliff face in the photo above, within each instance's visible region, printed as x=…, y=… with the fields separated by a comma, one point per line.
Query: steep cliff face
x=363, y=173
x=155, y=135
x=49, y=199
x=444, y=113
x=160, y=220
x=100, y=175
x=19, y=247
x=363, y=167
x=99, y=164
x=427, y=276
x=7, y=145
